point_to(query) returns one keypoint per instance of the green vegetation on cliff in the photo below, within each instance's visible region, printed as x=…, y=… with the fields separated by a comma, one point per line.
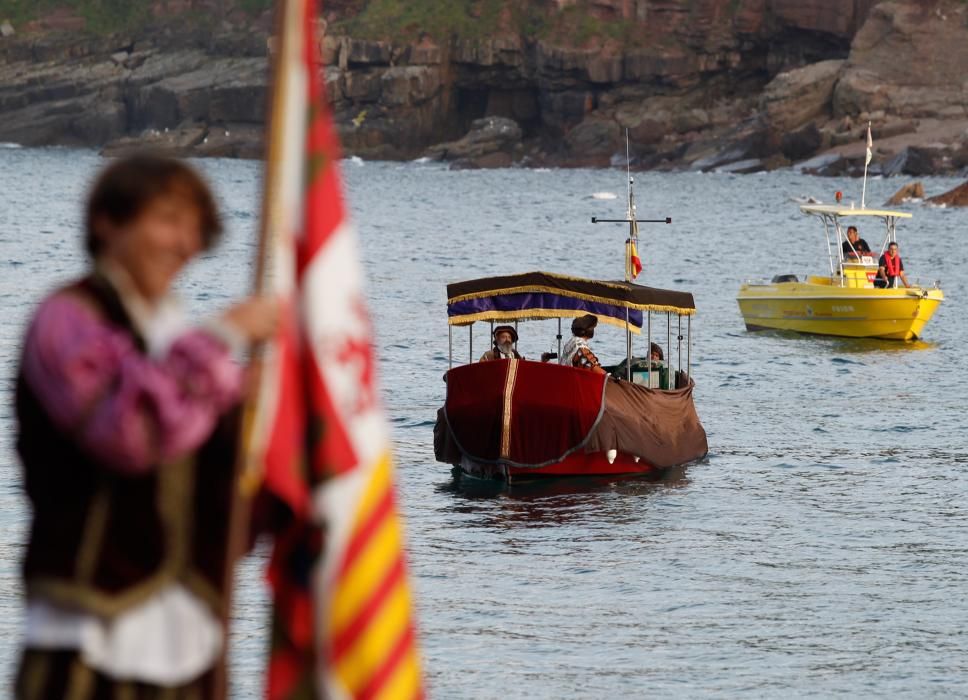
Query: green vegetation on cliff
x=475, y=19
x=385, y=19
x=107, y=16
x=396, y=20
x=99, y=15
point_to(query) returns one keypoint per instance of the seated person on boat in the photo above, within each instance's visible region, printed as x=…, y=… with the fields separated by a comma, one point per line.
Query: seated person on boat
x=890, y=268
x=576, y=352
x=855, y=246
x=655, y=354
x=504, y=339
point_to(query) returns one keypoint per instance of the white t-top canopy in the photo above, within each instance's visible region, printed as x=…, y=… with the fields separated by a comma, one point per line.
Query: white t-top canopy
x=838, y=210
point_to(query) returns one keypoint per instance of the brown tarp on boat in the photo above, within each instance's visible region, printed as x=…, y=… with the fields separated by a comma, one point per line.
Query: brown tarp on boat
x=661, y=427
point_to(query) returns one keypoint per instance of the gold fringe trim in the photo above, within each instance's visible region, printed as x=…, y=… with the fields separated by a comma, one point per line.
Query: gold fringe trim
x=509, y=383
x=535, y=315
x=531, y=289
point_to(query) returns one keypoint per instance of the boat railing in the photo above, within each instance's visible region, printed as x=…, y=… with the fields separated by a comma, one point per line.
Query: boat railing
x=916, y=283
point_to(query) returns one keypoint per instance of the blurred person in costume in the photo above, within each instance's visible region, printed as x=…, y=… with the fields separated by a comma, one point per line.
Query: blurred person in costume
x=127, y=435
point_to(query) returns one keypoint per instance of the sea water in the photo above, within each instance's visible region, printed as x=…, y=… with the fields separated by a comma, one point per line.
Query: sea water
x=821, y=549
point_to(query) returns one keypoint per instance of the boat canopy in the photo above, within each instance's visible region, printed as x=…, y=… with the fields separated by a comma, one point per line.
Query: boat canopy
x=837, y=210
x=545, y=295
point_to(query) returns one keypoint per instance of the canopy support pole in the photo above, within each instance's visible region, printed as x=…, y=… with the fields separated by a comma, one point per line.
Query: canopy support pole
x=515, y=335
x=689, y=345
x=649, y=341
x=628, y=347
x=830, y=249
x=450, y=347
x=470, y=336
x=559, y=338
x=668, y=348
x=679, y=349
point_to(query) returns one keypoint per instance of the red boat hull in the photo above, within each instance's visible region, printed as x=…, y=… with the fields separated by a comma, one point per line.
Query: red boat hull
x=577, y=464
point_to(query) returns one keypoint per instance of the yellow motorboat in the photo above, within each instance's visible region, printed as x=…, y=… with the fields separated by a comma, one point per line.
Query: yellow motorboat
x=852, y=301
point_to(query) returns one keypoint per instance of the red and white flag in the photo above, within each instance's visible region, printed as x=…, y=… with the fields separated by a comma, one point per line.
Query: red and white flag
x=343, y=624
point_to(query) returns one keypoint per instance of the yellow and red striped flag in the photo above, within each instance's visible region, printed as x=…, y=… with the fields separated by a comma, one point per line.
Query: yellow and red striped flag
x=343, y=624
x=634, y=262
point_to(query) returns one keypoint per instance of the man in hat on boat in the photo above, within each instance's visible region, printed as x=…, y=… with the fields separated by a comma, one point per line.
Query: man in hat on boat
x=504, y=339
x=576, y=352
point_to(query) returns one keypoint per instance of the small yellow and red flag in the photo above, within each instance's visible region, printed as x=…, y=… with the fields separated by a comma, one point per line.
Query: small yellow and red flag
x=634, y=262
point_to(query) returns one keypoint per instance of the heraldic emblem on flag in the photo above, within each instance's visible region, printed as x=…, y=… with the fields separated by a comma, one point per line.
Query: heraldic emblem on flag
x=342, y=624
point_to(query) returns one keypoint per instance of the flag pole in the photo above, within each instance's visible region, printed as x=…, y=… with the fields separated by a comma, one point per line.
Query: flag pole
x=629, y=247
x=244, y=480
x=867, y=161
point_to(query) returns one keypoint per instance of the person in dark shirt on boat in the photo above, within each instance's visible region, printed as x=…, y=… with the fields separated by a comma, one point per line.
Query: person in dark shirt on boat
x=855, y=246
x=504, y=339
x=576, y=352
x=890, y=268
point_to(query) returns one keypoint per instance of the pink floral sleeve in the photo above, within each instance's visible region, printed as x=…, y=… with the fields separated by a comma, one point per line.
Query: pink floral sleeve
x=128, y=410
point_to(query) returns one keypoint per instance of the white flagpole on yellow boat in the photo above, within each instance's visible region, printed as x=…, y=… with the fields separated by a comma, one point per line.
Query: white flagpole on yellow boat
x=867, y=161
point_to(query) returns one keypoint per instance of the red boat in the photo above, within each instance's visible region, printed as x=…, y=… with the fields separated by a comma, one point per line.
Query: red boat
x=519, y=419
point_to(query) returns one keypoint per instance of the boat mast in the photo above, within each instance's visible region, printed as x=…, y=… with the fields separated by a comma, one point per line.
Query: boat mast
x=633, y=224
x=630, y=245
x=629, y=214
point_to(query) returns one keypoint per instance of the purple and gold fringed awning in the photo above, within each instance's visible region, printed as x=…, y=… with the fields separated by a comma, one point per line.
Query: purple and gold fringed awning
x=542, y=295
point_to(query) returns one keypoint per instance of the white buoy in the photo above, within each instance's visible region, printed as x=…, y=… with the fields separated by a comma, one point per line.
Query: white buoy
x=636, y=459
x=611, y=455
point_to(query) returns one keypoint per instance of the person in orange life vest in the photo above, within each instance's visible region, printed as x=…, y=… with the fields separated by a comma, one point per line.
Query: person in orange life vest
x=890, y=268
x=504, y=339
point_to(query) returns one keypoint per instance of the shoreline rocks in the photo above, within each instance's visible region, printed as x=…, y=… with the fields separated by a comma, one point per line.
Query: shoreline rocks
x=492, y=142
x=776, y=86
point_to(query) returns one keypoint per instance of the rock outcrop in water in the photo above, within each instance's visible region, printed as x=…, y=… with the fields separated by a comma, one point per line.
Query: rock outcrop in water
x=910, y=191
x=731, y=85
x=957, y=197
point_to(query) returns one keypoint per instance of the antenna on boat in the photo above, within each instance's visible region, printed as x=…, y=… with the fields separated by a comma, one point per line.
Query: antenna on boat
x=631, y=245
x=631, y=250
x=867, y=161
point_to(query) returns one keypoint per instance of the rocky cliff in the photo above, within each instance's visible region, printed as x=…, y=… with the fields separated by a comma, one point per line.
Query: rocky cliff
x=736, y=85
